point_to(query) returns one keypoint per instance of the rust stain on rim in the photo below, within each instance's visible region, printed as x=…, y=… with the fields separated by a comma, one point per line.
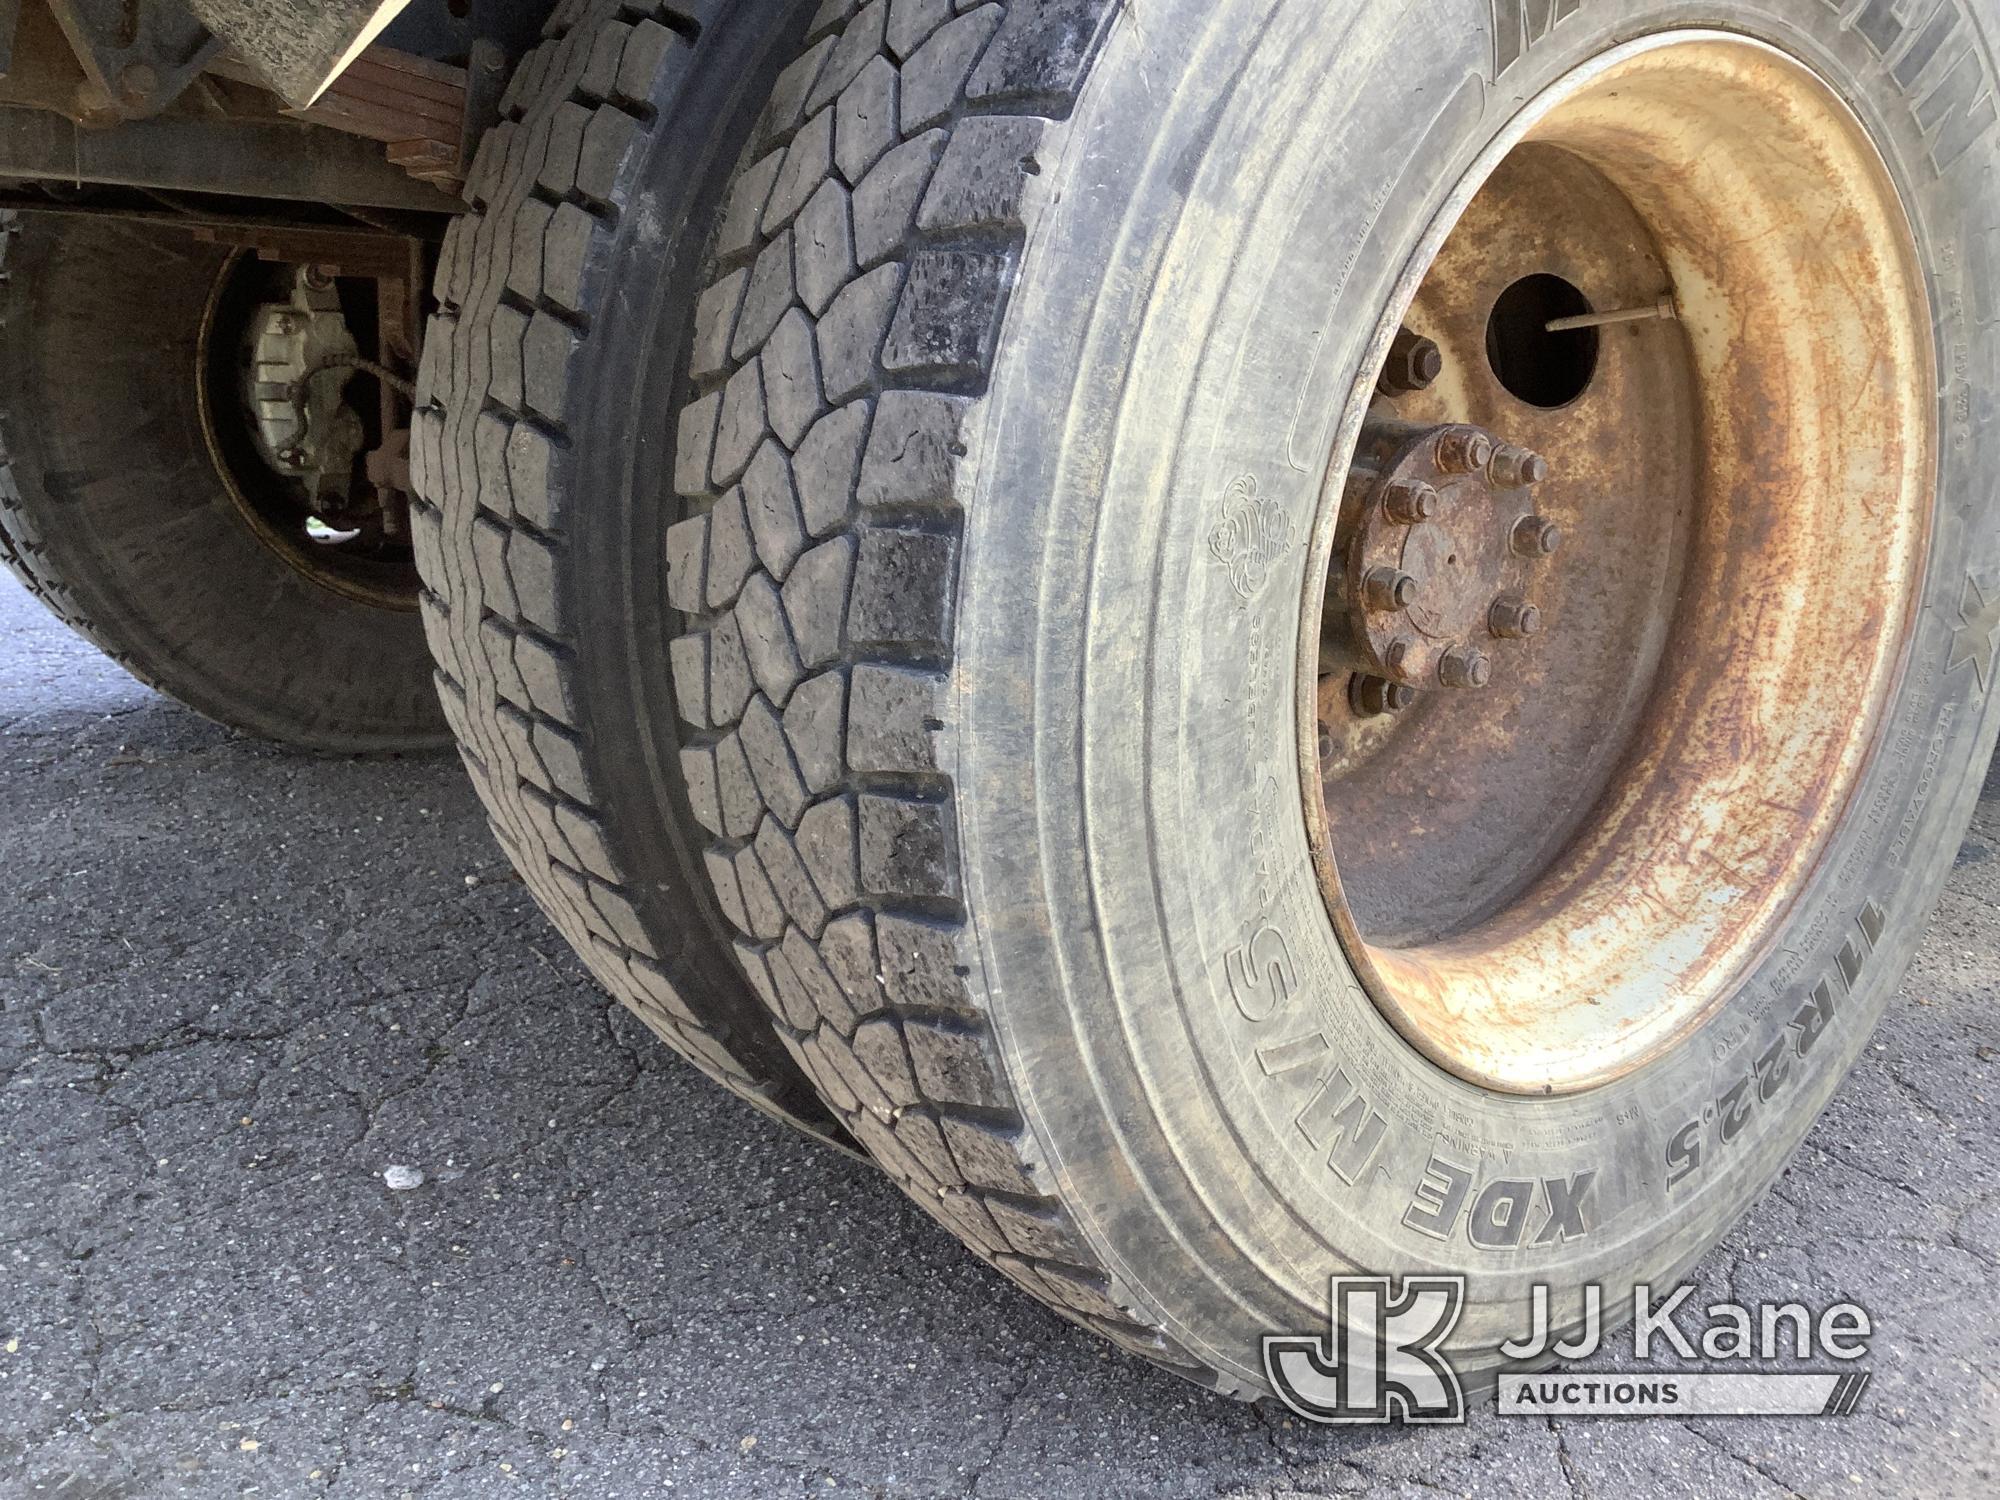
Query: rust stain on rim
x=1547, y=882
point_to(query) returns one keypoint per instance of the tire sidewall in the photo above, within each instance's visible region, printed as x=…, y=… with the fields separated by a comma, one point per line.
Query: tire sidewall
x=1232, y=208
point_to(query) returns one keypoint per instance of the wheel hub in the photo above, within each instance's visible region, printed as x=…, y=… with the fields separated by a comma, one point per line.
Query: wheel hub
x=1443, y=543
x=317, y=469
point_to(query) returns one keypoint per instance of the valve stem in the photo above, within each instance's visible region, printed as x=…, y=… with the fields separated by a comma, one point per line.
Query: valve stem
x=1665, y=310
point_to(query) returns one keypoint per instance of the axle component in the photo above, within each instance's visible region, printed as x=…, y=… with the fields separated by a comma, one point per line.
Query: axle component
x=1442, y=539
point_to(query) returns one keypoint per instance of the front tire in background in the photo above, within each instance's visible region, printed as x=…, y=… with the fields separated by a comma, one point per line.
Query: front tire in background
x=118, y=512
x=1051, y=475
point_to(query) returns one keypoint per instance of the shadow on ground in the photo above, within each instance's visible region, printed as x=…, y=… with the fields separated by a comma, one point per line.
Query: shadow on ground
x=239, y=985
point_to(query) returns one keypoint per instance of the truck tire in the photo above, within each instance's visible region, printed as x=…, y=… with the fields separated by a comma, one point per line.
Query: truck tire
x=542, y=525
x=1084, y=400
x=115, y=514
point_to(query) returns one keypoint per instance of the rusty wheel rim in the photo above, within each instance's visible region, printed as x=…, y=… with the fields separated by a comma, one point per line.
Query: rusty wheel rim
x=1612, y=608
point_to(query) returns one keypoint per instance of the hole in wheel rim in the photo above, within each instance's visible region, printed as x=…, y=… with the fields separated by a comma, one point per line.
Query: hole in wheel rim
x=1540, y=367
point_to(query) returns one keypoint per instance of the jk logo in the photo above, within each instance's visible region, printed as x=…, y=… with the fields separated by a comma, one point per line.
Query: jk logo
x=1379, y=1361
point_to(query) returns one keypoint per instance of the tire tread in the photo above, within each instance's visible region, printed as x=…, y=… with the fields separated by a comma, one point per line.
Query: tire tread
x=841, y=874
x=520, y=280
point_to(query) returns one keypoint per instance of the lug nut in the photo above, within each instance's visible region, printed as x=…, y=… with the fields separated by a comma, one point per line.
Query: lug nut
x=1465, y=667
x=1535, y=537
x=1373, y=697
x=1409, y=501
x=1464, y=450
x=1512, y=468
x=1514, y=619
x=1414, y=364
x=1388, y=588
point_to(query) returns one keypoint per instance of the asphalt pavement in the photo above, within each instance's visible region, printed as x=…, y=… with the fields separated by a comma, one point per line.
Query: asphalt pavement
x=242, y=990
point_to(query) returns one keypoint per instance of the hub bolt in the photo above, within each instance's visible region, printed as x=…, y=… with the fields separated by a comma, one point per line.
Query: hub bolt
x=1396, y=655
x=1514, y=619
x=1464, y=450
x=1512, y=468
x=1465, y=667
x=1535, y=537
x=1373, y=697
x=1414, y=364
x=1388, y=588
x=1410, y=500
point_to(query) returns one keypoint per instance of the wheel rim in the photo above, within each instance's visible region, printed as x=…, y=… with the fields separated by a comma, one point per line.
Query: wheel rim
x=1575, y=741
